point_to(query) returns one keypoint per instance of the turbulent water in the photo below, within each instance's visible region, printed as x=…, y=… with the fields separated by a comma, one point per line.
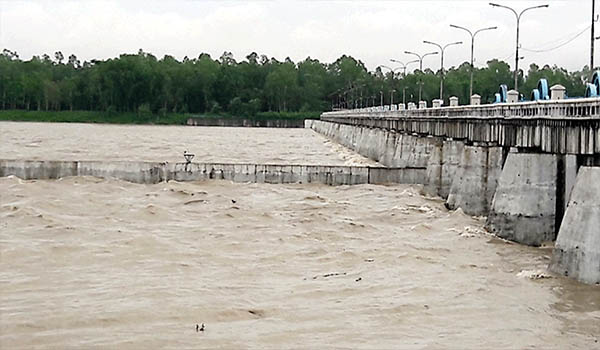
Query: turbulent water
x=64, y=141
x=93, y=263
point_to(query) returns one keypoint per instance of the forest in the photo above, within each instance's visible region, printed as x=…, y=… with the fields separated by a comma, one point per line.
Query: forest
x=142, y=83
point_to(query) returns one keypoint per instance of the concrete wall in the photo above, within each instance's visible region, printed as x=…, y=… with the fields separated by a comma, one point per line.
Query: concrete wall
x=148, y=172
x=577, y=249
x=388, y=148
x=245, y=122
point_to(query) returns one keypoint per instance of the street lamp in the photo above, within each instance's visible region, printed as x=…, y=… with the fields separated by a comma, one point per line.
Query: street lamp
x=392, y=96
x=392, y=70
x=472, y=48
x=518, y=16
x=420, y=65
x=442, y=48
x=403, y=66
x=404, y=95
x=381, y=95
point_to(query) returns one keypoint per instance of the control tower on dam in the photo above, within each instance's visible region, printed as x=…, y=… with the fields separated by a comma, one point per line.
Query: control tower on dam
x=533, y=168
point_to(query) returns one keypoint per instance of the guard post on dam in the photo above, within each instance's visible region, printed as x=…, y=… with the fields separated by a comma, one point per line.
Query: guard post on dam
x=533, y=168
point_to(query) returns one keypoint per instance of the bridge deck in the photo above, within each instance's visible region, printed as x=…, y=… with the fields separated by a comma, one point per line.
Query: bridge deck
x=564, y=126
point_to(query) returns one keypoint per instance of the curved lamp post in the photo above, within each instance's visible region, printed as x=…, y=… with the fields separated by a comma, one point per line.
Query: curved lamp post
x=472, y=34
x=442, y=48
x=402, y=65
x=518, y=16
x=421, y=57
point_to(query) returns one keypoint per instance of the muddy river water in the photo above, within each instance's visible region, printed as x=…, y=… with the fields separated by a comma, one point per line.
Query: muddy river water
x=102, y=263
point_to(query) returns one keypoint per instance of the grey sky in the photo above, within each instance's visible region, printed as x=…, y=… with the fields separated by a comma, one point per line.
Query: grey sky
x=372, y=31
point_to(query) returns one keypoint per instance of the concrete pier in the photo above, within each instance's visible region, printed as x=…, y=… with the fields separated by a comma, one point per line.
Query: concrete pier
x=442, y=166
x=524, y=206
x=474, y=182
x=577, y=249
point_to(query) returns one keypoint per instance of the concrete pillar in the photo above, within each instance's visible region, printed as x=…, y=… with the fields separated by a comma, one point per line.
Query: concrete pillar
x=557, y=92
x=442, y=166
x=454, y=101
x=475, y=100
x=434, y=171
x=411, y=106
x=475, y=181
x=437, y=103
x=525, y=203
x=512, y=96
x=410, y=151
x=422, y=104
x=577, y=249
x=401, y=107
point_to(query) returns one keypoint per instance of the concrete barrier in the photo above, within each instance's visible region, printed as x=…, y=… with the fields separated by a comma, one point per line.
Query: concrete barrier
x=149, y=172
x=577, y=249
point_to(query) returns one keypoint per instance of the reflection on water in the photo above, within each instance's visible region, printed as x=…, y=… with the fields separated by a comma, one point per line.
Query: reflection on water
x=103, y=263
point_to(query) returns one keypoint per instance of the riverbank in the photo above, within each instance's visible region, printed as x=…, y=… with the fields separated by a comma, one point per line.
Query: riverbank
x=142, y=118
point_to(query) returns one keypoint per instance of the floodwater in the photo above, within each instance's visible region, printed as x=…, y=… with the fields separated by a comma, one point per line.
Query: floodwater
x=94, y=263
x=75, y=141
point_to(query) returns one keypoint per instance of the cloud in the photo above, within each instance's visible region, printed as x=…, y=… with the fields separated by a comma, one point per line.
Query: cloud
x=372, y=31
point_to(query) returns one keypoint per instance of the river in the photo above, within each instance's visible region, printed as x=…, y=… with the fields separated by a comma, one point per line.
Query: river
x=101, y=263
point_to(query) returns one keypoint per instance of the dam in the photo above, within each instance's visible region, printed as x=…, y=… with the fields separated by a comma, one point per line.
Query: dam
x=527, y=166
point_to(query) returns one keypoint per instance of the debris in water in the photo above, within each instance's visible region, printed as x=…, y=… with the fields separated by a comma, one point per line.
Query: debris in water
x=330, y=275
x=533, y=274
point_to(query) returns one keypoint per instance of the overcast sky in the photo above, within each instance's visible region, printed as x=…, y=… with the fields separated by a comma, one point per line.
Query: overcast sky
x=372, y=31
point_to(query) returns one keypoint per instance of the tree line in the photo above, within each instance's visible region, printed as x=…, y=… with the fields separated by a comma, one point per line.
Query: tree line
x=141, y=82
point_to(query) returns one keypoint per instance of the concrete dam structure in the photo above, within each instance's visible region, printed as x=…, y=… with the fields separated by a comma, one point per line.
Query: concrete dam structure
x=155, y=172
x=533, y=168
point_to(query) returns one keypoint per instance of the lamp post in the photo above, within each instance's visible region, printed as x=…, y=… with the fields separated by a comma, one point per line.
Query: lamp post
x=381, y=98
x=420, y=65
x=404, y=95
x=402, y=65
x=472, y=34
x=518, y=16
x=594, y=19
x=392, y=96
x=442, y=48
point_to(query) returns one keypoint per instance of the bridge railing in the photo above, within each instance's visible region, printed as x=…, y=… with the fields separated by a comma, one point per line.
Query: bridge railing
x=573, y=108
